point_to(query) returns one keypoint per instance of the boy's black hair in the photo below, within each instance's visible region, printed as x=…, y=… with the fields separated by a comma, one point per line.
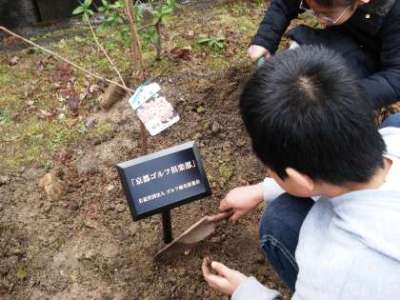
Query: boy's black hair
x=303, y=109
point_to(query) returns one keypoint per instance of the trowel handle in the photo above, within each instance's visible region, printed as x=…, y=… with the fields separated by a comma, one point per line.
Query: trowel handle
x=221, y=216
x=260, y=61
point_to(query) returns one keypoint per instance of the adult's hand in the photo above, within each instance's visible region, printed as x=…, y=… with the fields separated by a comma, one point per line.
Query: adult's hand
x=255, y=52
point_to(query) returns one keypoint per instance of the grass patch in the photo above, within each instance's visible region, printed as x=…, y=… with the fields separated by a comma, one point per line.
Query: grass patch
x=36, y=141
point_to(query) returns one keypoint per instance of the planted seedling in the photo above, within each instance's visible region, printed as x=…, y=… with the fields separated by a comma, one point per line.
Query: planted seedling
x=216, y=44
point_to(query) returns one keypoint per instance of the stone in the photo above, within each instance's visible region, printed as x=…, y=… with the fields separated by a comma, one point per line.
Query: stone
x=215, y=127
x=13, y=61
x=120, y=208
x=110, y=188
x=53, y=187
x=197, y=136
x=90, y=122
x=109, y=250
x=4, y=180
x=133, y=229
x=87, y=165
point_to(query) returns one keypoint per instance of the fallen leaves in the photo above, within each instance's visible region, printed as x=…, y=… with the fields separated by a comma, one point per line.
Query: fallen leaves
x=73, y=103
x=44, y=114
x=184, y=53
x=65, y=83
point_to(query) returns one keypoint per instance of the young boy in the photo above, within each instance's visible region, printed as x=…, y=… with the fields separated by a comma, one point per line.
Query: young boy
x=333, y=230
x=365, y=32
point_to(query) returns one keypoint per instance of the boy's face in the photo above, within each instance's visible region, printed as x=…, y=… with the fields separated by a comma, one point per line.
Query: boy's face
x=333, y=16
x=296, y=183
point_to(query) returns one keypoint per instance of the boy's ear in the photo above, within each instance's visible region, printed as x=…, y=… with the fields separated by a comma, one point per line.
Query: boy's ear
x=302, y=181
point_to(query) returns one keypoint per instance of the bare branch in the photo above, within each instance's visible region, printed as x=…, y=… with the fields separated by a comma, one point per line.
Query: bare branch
x=105, y=52
x=2, y=28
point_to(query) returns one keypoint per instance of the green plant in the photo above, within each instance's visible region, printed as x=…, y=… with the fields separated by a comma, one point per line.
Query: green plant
x=164, y=10
x=216, y=44
x=152, y=34
x=84, y=9
x=5, y=117
x=115, y=17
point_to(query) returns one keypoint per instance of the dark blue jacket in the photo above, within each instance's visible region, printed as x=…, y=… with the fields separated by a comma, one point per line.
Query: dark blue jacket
x=375, y=26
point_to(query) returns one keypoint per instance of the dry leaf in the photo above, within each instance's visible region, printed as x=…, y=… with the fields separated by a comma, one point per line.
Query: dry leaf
x=43, y=114
x=181, y=53
x=74, y=103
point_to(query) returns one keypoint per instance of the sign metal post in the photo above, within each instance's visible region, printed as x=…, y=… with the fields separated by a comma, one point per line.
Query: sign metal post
x=167, y=227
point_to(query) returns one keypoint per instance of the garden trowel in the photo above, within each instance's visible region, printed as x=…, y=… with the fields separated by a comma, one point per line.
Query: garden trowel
x=194, y=234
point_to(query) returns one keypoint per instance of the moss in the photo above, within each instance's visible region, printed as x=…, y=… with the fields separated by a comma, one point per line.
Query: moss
x=101, y=129
x=5, y=74
x=36, y=140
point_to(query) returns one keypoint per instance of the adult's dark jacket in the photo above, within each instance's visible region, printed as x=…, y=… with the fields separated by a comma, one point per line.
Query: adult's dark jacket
x=375, y=27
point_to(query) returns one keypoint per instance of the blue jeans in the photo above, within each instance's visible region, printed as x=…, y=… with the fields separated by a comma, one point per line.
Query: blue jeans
x=392, y=121
x=280, y=227
x=279, y=233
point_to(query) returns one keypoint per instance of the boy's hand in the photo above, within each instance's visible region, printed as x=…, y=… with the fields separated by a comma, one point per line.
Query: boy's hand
x=240, y=201
x=255, y=52
x=225, y=281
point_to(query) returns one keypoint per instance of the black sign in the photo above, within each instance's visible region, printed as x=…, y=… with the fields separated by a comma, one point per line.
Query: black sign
x=163, y=180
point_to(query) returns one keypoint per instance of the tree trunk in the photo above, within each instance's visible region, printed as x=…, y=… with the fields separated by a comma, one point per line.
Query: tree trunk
x=137, y=62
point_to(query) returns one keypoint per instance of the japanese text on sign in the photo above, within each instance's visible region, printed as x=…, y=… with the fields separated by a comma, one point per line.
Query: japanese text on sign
x=163, y=173
x=180, y=187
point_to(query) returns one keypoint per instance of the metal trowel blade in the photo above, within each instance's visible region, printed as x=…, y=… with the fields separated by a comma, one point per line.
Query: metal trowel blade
x=194, y=234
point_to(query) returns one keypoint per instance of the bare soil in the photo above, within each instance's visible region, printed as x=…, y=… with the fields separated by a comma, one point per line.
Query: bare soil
x=85, y=245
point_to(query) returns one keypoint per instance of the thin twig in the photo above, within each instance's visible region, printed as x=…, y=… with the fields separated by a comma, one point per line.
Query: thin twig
x=2, y=28
x=158, y=42
x=105, y=53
